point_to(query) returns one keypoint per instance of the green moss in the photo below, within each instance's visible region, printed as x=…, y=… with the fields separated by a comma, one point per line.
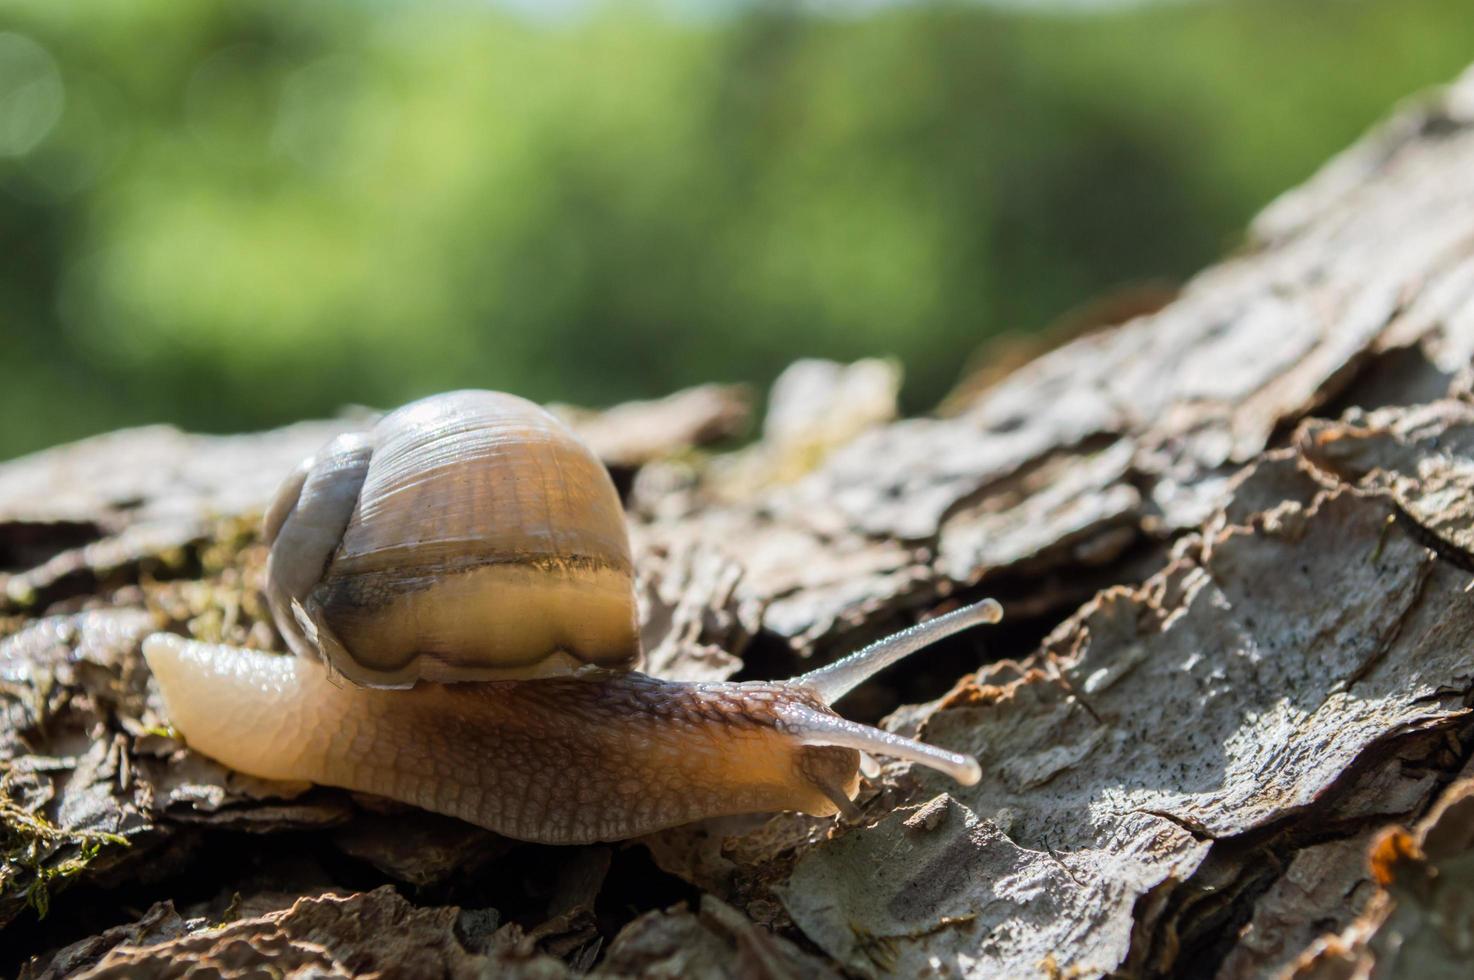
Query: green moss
x=36, y=856
x=229, y=538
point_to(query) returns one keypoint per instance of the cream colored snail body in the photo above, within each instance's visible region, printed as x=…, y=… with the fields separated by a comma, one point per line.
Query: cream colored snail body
x=457, y=587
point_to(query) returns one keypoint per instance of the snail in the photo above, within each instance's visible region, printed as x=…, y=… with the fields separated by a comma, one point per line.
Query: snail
x=457, y=587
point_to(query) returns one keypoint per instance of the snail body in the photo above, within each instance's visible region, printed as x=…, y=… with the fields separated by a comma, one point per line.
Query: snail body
x=558, y=760
x=457, y=587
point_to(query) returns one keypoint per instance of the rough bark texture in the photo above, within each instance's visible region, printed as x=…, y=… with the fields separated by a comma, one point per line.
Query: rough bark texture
x=1225, y=730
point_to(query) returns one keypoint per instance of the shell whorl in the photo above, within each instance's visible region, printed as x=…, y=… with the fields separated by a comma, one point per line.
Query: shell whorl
x=477, y=539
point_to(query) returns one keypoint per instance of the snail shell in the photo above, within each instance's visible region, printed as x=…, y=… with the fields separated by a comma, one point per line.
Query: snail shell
x=467, y=536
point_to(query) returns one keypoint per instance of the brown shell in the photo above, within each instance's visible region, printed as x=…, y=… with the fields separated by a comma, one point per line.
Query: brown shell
x=467, y=536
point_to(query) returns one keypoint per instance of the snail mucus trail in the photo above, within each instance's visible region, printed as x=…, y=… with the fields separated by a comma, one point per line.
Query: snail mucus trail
x=457, y=589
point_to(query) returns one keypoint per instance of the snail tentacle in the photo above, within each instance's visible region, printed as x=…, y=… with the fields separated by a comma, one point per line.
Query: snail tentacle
x=839, y=678
x=814, y=727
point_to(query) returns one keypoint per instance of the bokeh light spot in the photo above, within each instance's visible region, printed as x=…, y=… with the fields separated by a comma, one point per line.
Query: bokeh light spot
x=31, y=94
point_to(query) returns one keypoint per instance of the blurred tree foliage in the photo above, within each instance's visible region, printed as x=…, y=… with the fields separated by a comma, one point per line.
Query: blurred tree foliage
x=233, y=214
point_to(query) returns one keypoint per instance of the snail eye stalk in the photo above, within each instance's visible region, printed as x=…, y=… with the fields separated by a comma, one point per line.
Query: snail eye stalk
x=815, y=727
x=839, y=678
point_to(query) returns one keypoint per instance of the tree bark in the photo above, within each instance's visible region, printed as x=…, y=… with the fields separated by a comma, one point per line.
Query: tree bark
x=1225, y=728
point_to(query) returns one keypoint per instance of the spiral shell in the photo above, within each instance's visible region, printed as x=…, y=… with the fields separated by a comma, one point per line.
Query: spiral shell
x=466, y=536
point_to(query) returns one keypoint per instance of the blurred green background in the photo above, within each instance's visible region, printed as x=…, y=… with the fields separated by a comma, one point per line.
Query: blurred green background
x=235, y=214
